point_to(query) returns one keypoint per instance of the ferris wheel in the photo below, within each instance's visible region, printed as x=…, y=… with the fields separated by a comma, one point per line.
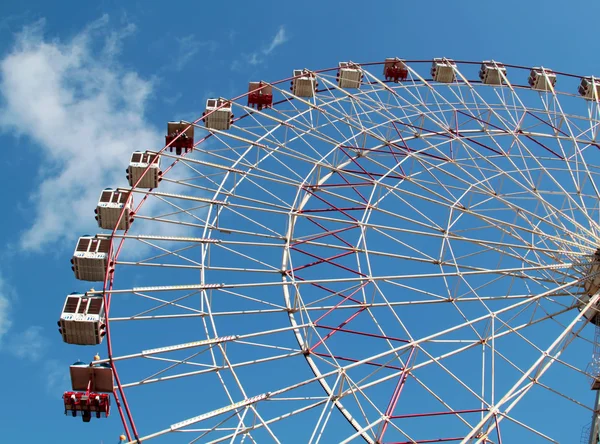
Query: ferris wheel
x=394, y=252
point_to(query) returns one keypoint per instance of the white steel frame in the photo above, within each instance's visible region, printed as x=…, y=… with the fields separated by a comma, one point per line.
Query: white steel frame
x=408, y=233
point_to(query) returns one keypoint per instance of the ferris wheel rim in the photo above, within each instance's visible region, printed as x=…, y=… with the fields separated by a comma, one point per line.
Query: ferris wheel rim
x=109, y=277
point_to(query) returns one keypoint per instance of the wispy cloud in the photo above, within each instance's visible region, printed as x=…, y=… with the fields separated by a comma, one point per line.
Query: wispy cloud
x=57, y=375
x=255, y=58
x=114, y=40
x=12, y=21
x=279, y=39
x=29, y=344
x=188, y=47
x=172, y=99
x=231, y=35
x=4, y=318
x=89, y=116
x=6, y=296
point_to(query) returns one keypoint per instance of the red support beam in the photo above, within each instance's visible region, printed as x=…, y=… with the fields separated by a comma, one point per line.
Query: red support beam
x=362, y=333
x=322, y=259
x=423, y=415
x=409, y=149
x=390, y=176
x=348, y=244
x=333, y=207
x=498, y=429
x=346, y=298
x=343, y=358
x=426, y=441
x=346, y=180
x=359, y=311
x=396, y=395
x=325, y=210
x=322, y=235
x=550, y=125
x=329, y=290
x=517, y=132
x=353, y=160
x=346, y=184
x=120, y=410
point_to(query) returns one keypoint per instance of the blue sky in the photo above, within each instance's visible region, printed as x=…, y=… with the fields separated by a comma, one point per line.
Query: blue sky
x=83, y=85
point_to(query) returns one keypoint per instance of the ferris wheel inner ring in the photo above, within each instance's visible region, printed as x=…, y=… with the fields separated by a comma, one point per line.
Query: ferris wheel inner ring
x=364, y=279
x=576, y=248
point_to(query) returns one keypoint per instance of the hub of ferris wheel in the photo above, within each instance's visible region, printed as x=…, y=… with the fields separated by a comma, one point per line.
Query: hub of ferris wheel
x=592, y=314
x=83, y=318
x=592, y=286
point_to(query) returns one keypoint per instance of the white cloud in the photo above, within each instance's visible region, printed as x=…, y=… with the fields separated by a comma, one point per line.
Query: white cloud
x=188, y=47
x=4, y=319
x=114, y=40
x=30, y=344
x=85, y=114
x=279, y=39
x=57, y=375
x=231, y=35
x=5, y=298
x=10, y=22
x=256, y=58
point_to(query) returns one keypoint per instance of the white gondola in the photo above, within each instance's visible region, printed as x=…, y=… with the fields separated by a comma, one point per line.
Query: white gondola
x=218, y=115
x=590, y=88
x=442, y=70
x=304, y=83
x=95, y=377
x=542, y=79
x=109, y=208
x=349, y=75
x=90, y=258
x=82, y=320
x=492, y=73
x=138, y=164
x=591, y=286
